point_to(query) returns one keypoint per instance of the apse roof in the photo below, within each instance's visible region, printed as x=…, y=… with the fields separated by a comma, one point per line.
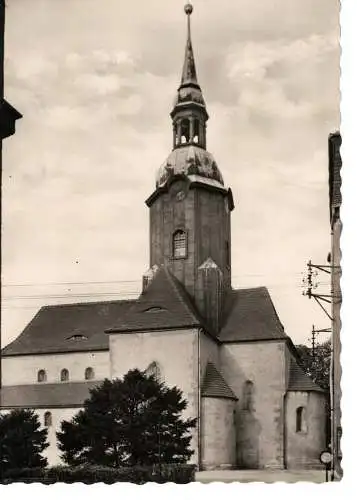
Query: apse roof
x=299, y=380
x=214, y=385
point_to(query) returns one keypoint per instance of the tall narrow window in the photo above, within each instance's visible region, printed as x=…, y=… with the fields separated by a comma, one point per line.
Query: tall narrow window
x=153, y=370
x=89, y=373
x=301, y=419
x=179, y=244
x=47, y=419
x=64, y=375
x=41, y=376
x=248, y=395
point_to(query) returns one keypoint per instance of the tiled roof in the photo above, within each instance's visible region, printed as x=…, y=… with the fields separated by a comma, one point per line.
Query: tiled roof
x=251, y=316
x=299, y=380
x=163, y=305
x=214, y=385
x=52, y=328
x=61, y=395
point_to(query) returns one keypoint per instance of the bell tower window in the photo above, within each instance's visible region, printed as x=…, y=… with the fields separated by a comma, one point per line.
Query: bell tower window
x=179, y=244
x=185, y=131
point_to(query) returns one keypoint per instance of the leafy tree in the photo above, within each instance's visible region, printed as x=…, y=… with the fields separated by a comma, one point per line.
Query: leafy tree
x=133, y=421
x=21, y=440
x=317, y=367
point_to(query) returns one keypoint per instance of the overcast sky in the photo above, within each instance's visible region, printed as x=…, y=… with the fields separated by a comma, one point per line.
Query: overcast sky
x=95, y=82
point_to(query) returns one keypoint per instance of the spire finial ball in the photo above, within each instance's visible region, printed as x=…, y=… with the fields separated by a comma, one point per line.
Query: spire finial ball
x=188, y=9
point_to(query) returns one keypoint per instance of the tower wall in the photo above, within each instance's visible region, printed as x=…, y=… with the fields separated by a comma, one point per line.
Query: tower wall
x=205, y=216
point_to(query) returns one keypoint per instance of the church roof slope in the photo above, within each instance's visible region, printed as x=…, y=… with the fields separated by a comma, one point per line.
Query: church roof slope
x=214, y=385
x=251, y=316
x=68, y=328
x=61, y=395
x=300, y=381
x=164, y=305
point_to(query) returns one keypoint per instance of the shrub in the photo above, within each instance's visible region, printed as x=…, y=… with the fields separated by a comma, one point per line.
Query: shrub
x=89, y=474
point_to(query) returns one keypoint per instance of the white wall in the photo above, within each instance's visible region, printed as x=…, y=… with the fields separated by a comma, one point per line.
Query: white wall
x=260, y=432
x=19, y=370
x=176, y=353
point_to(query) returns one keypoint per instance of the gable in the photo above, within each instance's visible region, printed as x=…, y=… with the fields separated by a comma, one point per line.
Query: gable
x=164, y=305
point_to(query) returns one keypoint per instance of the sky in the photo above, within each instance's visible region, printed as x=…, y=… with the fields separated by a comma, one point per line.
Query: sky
x=95, y=82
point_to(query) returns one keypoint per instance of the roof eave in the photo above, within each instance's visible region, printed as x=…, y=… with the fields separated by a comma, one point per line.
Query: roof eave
x=152, y=329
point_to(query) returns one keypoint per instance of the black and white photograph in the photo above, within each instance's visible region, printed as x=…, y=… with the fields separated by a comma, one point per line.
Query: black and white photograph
x=170, y=241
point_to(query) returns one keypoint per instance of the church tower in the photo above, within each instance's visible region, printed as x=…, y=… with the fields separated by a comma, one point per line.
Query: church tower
x=190, y=230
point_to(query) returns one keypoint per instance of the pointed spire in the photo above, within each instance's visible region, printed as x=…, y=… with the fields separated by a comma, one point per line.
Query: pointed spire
x=189, y=69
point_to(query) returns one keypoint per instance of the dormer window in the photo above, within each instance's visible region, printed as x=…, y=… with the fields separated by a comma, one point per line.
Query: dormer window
x=155, y=309
x=179, y=244
x=77, y=336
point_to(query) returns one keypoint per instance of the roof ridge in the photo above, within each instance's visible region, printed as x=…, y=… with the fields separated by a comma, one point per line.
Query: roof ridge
x=94, y=302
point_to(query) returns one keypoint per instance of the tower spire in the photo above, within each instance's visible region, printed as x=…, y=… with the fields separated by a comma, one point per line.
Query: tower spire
x=189, y=75
x=189, y=115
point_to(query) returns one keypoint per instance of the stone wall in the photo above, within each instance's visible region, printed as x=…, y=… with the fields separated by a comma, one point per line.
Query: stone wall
x=18, y=370
x=218, y=435
x=175, y=352
x=303, y=446
x=256, y=373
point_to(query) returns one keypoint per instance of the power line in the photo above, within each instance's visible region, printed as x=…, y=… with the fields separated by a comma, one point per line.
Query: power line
x=74, y=283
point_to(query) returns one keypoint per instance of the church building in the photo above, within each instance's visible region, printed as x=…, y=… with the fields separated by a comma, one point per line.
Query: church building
x=226, y=349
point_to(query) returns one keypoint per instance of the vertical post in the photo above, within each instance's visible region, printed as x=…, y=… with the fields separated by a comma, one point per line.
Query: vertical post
x=2, y=35
x=191, y=133
x=179, y=132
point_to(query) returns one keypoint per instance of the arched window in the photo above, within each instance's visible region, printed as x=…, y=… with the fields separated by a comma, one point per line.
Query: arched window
x=47, y=419
x=41, y=376
x=185, y=131
x=248, y=395
x=64, y=375
x=89, y=373
x=301, y=419
x=196, y=131
x=154, y=370
x=179, y=244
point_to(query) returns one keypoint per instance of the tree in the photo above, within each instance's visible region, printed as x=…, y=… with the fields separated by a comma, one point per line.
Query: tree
x=318, y=366
x=21, y=440
x=133, y=421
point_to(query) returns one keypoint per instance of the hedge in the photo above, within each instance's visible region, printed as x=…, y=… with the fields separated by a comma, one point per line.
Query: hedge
x=89, y=474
